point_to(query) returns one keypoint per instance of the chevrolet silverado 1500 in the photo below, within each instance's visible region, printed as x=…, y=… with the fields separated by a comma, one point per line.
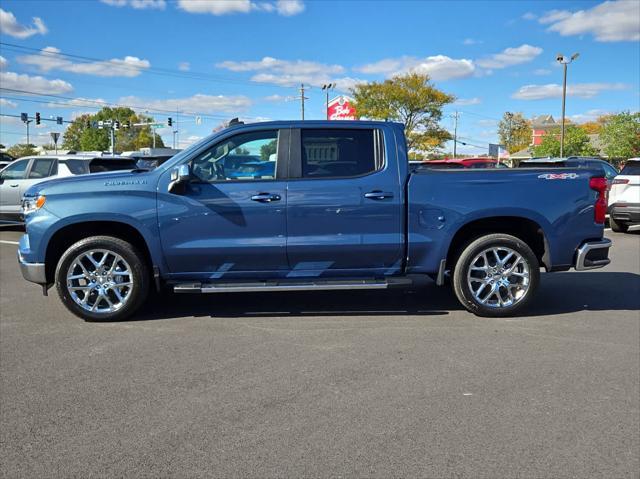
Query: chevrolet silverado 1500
x=315, y=205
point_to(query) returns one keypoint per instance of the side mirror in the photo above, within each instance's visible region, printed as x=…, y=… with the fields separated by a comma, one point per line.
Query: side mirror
x=179, y=178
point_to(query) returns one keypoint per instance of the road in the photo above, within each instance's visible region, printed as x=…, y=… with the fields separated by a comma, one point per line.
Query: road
x=364, y=384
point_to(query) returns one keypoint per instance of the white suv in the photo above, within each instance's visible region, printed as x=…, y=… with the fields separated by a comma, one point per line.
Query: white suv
x=20, y=174
x=624, y=197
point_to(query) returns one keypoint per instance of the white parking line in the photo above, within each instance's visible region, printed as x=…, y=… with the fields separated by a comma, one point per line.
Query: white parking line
x=9, y=242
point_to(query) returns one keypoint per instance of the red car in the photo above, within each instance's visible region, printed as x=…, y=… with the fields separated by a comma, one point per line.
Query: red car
x=463, y=163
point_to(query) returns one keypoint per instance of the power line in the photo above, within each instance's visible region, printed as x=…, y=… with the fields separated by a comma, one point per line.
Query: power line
x=154, y=70
x=100, y=104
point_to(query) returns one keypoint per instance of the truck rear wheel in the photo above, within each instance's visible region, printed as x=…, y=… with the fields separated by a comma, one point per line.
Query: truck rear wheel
x=496, y=275
x=102, y=278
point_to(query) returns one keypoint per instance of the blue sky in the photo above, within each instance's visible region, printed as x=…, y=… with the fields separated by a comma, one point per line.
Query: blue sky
x=244, y=58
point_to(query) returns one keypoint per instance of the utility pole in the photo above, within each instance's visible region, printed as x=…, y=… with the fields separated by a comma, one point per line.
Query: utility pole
x=509, y=116
x=27, y=123
x=455, y=133
x=560, y=58
x=302, y=99
x=112, y=146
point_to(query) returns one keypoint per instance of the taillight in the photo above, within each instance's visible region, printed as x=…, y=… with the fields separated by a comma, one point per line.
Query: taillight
x=600, y=208
x=620, y=181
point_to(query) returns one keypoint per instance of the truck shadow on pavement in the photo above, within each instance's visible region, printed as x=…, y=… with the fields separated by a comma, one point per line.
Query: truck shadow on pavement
x=559, y=293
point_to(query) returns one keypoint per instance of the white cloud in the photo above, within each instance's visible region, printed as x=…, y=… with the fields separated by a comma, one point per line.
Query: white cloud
x=216, y=7
x=276, y=98
x=529, y=16
x=438, y=67
x=510, y=56
x=138, y=4
x=554, y=90
x=541, y=71
x=197, y=103
x=3, y=62
x=4, y=103
x=289, y=67
x=610, y=21
x=49, y=59
x=467, y=101
x=290, y=72
x=471, y=41
x=285, y=8
x=184, y=66
x=33, y=84
x=9, y=25
x=289, y=8
x=79, y=102
x=589, y=115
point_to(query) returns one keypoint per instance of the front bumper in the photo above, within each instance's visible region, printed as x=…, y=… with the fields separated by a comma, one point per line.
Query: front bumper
x=34, y=272
x=593, y=254
x=625, y=212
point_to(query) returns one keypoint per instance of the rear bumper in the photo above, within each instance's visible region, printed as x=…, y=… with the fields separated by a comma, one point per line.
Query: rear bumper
x=625, y=212
x=593, y=254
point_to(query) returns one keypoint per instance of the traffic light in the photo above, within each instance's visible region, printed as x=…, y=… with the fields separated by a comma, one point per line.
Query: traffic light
x=37, y=118
x=59, y=120
x=169, y=121
x=24, y=117
x=128, y=124
x=116, y=125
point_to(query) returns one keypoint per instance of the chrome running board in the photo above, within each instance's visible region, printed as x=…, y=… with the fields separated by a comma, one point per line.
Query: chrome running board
x=284, y=285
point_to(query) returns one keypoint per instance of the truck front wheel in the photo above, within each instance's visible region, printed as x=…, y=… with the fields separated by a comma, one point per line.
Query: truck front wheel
x=496, y=275
x=102, y=278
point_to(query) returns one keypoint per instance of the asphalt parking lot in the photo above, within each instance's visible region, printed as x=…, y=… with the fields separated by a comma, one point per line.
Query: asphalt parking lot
x=364, y=384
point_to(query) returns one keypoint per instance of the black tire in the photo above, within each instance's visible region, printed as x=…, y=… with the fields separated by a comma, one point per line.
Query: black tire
x=471, y=251
x=618, y=226
x=141, y=277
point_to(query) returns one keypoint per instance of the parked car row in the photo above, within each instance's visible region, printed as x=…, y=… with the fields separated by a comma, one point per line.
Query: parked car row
x=20, y=174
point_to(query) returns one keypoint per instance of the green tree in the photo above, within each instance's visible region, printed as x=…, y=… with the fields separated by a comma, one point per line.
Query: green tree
x=20, y=150
x=410, y=99
x=576, y=143
x=268, y=149
x=80, y=136
x=620, y=135
x=514, y=131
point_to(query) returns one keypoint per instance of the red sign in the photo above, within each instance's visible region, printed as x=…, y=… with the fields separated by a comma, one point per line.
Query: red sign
x=341, y=108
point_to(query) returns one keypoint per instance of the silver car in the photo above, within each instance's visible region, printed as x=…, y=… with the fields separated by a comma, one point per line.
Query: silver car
x=20, y=174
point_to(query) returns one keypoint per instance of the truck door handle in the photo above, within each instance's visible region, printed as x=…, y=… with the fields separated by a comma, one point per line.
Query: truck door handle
x=14, y=186
x=265, y=197
x=378, y=195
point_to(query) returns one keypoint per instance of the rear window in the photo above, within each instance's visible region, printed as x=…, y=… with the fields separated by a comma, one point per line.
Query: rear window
x=631, y=168
x=100, y=165
x=542, y=164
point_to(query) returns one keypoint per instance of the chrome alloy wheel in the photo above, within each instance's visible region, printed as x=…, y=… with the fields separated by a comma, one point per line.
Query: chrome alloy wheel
x=100, y=281
x=498, y=277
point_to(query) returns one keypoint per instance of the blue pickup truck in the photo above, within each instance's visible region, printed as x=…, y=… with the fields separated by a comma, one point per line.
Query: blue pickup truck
x=336, y=206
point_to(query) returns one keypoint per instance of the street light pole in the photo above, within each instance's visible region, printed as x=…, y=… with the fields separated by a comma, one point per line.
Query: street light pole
x=564, y=61
x=326, y=88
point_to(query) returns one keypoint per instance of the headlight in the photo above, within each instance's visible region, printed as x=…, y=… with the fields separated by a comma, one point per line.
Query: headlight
x=33, y=203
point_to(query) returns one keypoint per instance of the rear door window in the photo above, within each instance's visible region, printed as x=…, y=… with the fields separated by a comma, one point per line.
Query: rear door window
x=334, y=153
x=41, y=168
